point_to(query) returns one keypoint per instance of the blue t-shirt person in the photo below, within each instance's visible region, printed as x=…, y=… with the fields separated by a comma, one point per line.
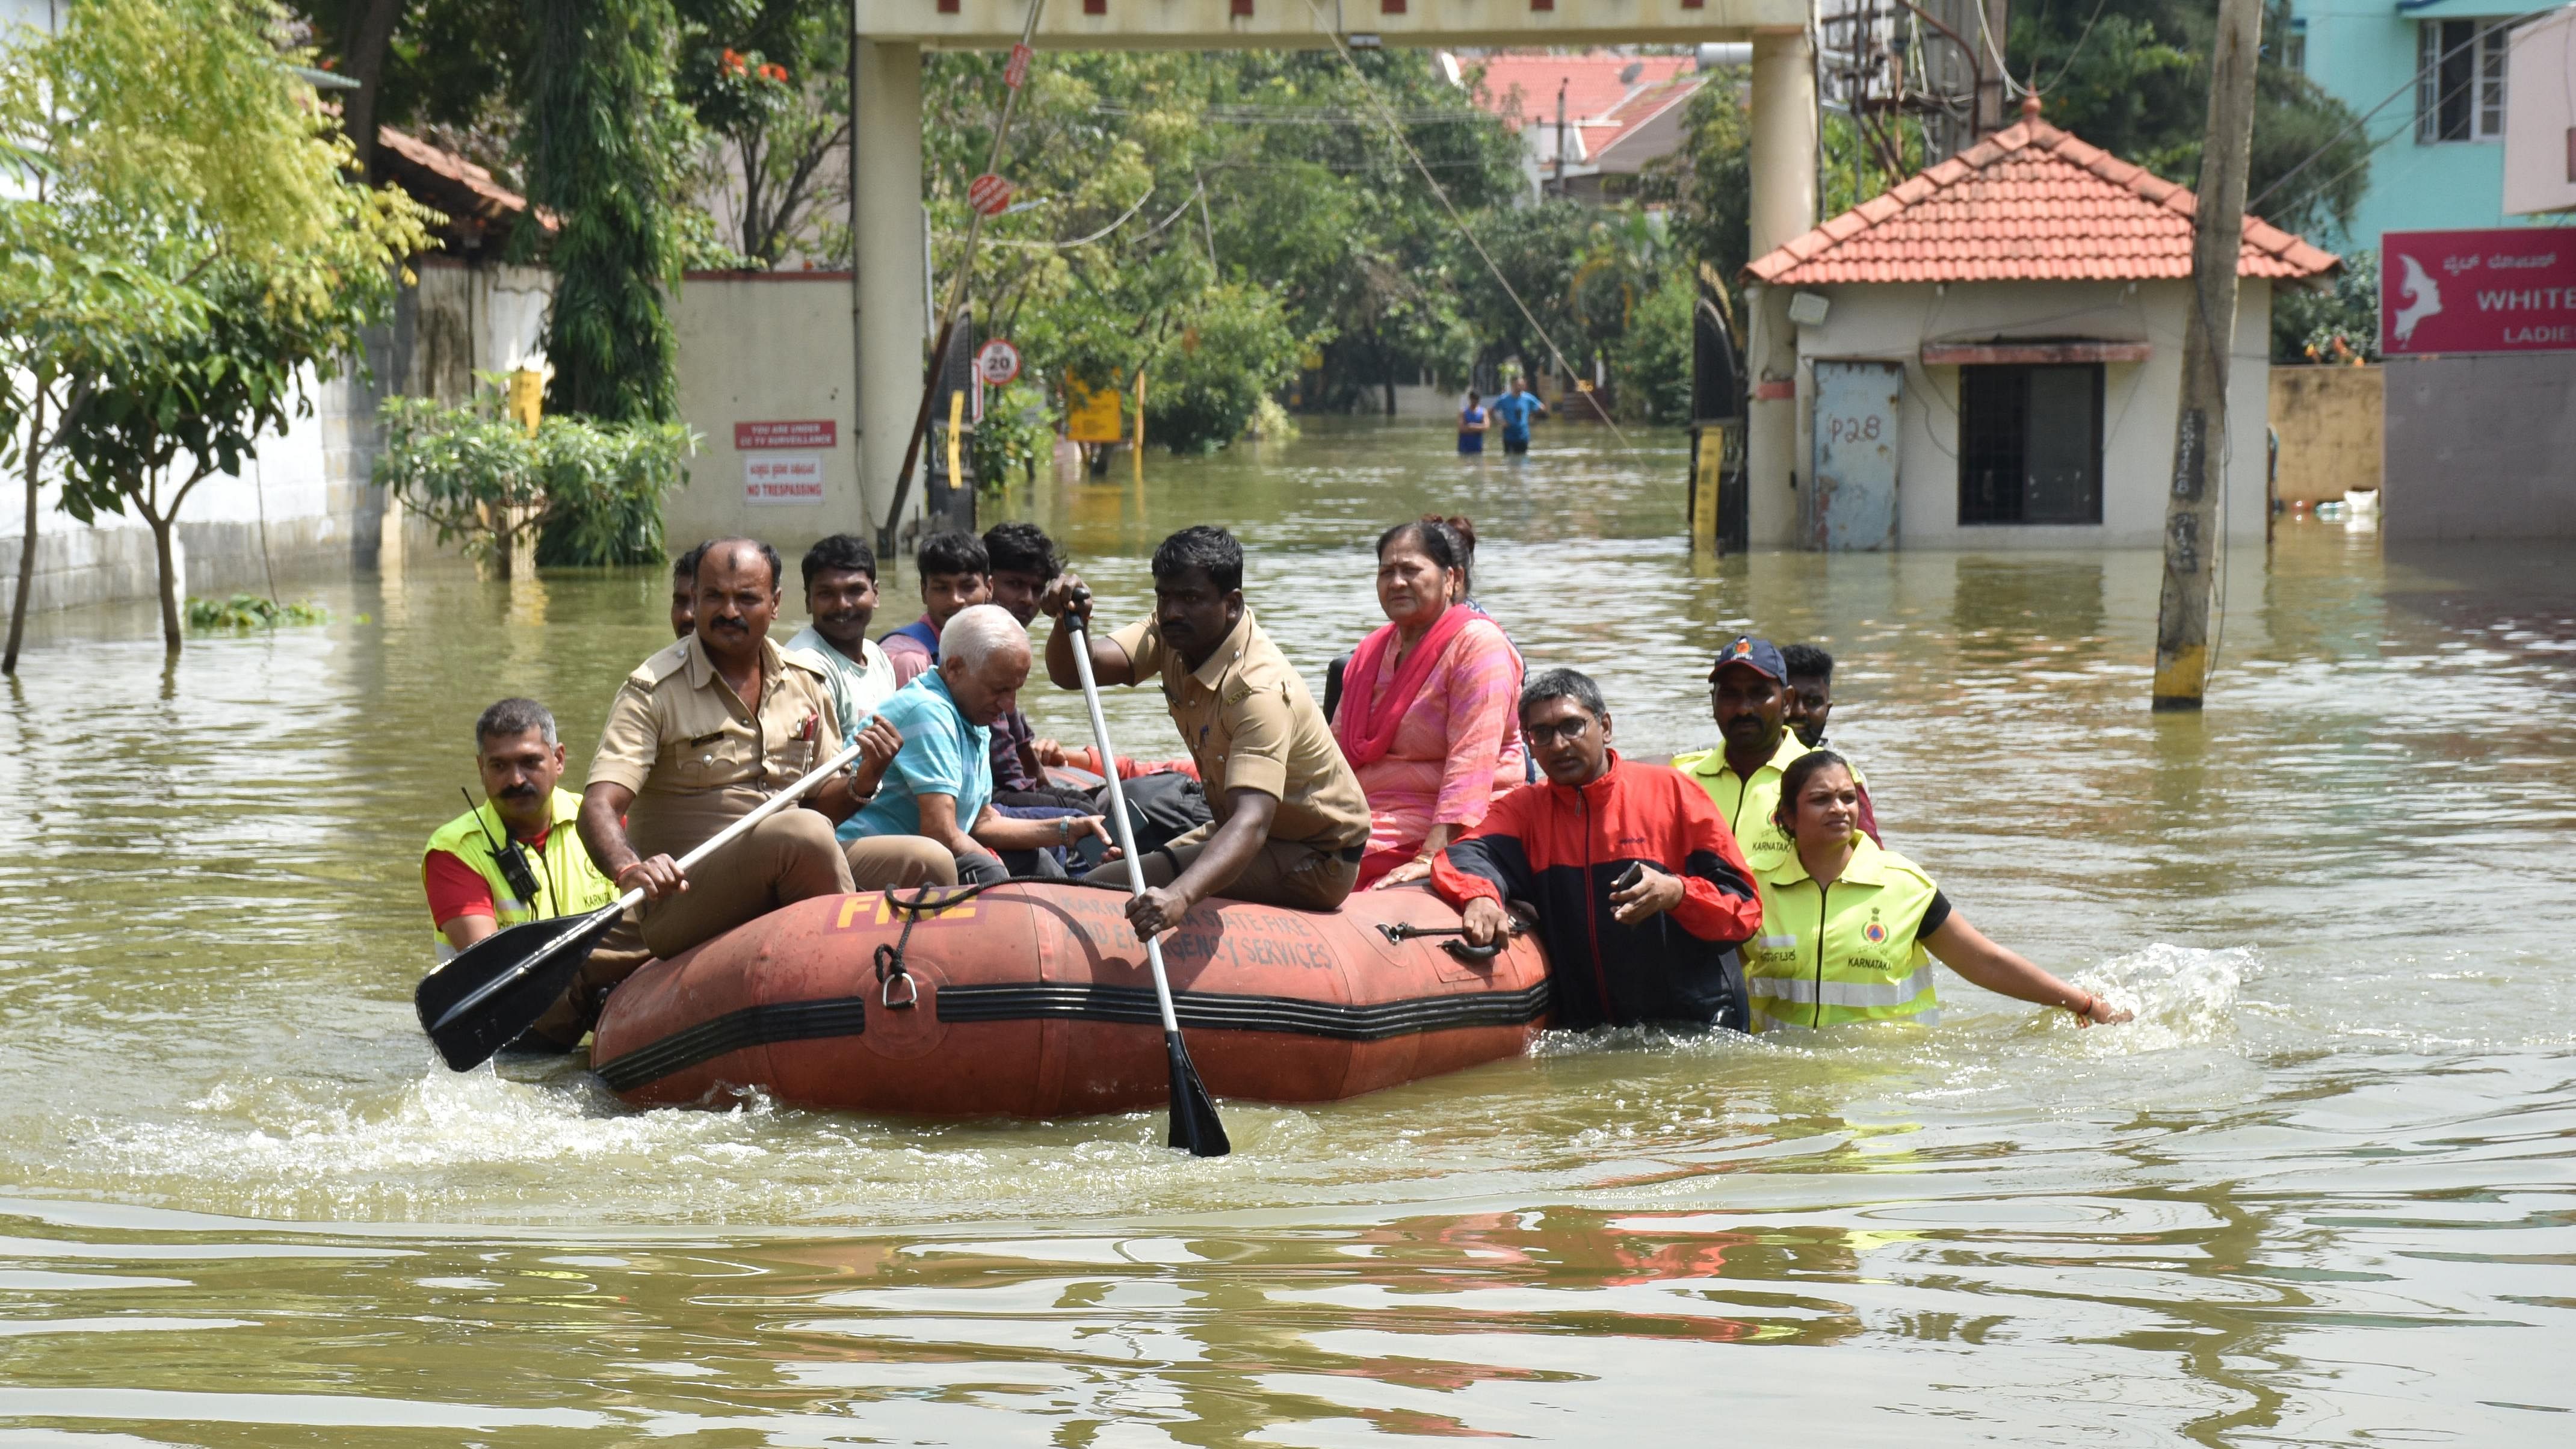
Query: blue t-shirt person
x=1471, y=430
x=1515, y=409
x=942, y=755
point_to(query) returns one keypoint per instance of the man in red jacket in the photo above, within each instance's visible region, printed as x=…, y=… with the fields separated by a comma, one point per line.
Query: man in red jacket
x=1661, y=949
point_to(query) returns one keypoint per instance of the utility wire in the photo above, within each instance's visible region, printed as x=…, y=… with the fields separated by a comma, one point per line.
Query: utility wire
x=1441, y=193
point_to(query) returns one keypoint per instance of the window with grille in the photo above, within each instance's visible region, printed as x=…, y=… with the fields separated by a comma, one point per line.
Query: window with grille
x=2030, y=444
x=2459, y=80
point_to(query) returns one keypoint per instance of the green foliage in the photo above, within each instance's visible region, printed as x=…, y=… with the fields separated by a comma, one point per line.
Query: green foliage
x=1015, y=435
x=2135, y=81
x=766, y=81
x=1652, y=365
x=591, y=491
x=1250, y=199
x=201, y=253
x=2338, y=324
x=602, y=130
x=243, y=612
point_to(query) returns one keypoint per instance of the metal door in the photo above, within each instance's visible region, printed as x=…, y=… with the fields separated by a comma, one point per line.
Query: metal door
x=1851, y=502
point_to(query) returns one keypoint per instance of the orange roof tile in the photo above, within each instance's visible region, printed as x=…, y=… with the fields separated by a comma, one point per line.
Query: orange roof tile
x=1520, y=86
x=2028, y=203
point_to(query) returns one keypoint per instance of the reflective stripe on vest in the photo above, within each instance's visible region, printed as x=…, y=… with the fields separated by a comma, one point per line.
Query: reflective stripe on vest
x=568, y=883
x=1844, y=953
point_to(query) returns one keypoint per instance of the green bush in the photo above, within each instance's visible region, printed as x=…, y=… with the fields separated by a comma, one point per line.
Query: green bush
x=250, y=611
x=1204, y=387
x=589, y=491
x=1652, y=364
x=1017, y=432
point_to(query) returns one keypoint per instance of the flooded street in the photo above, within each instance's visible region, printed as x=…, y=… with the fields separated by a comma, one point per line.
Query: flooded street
x=2320, y=1191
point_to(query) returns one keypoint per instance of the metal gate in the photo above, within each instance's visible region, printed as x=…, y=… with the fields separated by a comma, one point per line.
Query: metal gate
x=1851, y=500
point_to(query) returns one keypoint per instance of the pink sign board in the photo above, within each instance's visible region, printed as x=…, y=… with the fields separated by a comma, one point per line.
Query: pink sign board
x=812, y=433
x=2508, y=289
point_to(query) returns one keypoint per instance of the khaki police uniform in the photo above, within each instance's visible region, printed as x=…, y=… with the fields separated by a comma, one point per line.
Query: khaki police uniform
x=698, y=759
x=1250, y=725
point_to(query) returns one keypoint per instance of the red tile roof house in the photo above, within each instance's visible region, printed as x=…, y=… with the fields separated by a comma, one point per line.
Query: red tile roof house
x=1621, y=111
x=1989, y=355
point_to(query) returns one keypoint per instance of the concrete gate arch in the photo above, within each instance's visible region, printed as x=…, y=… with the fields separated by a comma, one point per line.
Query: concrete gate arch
x=888, y=296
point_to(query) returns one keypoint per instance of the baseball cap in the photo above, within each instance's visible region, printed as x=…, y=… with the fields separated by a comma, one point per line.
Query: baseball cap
x=1760, y=655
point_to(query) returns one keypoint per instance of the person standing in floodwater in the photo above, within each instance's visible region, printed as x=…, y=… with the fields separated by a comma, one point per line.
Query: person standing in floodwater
x=1473, y=420
x=1515, y=409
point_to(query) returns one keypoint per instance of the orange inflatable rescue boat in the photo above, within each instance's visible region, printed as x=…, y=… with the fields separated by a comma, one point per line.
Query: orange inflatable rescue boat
x=1033, y=1000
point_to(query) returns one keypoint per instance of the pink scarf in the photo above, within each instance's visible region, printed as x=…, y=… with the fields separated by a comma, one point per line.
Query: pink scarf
x=1368, y=723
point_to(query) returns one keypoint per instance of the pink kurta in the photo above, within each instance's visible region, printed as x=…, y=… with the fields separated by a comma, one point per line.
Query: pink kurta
x=1455, y=750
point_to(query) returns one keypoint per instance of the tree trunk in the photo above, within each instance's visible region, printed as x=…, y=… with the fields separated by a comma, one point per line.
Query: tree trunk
x=162, y=528
x=27, y=545
x=364, y=34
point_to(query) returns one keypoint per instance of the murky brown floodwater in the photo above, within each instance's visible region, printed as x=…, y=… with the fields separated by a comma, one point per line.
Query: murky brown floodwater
x=2320, y=1192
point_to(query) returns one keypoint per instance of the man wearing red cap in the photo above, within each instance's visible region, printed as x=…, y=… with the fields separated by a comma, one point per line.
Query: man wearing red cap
x=1749, y=697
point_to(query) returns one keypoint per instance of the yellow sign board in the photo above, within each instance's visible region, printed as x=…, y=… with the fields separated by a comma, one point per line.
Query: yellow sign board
x=527, y=398
x=1091, y=415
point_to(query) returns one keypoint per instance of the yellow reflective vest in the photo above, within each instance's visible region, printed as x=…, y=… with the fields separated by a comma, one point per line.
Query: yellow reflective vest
x=1748, y=805
x=567, y=883
x=1847, y=952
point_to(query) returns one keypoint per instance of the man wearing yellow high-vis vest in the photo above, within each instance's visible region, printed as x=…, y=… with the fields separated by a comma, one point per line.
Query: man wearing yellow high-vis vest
x=1849, y=929
x=518, y=856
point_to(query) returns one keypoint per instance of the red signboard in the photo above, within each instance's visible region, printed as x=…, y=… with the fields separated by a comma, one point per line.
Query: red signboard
x=996, y=363
x=1016, y=74
x=2509, y=289
x=989, y=194
x=816, y=433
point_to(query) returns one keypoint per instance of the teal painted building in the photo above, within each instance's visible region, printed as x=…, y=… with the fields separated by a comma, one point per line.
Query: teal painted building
x=2430, y=77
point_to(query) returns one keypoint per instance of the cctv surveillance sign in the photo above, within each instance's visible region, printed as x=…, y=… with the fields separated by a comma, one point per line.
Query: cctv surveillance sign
x=2510, y=289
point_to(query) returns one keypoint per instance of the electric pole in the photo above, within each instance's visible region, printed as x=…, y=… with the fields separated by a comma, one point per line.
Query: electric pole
x=2192, y=521
x=1560, y=135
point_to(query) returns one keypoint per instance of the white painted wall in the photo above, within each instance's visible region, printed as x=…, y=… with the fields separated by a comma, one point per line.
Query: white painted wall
x=1892, y=322
x=771, y=346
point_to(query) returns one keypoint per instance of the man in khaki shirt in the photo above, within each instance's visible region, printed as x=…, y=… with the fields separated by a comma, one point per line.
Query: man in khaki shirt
x=700, y=735
x=1291, y=821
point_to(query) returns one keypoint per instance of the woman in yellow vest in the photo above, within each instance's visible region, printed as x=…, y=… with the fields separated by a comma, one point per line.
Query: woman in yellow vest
x=1846, y=924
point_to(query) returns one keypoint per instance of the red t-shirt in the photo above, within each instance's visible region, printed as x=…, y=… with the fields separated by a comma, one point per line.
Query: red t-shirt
x=457, y=889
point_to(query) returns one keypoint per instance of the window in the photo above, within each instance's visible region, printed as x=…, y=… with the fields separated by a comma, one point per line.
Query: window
x=2459, y=80
x=2030, y=444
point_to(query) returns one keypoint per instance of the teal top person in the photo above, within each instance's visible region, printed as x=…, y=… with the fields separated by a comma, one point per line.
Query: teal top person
x=1515, y=409
x=1473, y=420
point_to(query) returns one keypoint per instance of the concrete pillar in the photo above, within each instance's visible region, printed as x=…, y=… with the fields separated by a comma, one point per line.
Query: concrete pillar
x=885, y=143
x=1784, y=206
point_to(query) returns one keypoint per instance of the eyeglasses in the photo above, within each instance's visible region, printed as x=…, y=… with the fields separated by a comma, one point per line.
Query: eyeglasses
x=1566, y=733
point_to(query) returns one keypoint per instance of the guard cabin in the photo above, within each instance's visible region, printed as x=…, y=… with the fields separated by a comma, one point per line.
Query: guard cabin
x=1989, y=356
x=891, y=303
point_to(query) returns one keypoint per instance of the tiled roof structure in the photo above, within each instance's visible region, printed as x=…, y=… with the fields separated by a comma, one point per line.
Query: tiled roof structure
x=2029, y=203
x=1593, y=83
x=466, y=193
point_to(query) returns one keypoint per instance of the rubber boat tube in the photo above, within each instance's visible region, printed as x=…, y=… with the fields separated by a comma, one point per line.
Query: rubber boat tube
x=1033, y=1000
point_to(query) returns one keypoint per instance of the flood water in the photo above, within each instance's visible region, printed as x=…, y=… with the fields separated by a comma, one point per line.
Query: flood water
x=2319, y=1192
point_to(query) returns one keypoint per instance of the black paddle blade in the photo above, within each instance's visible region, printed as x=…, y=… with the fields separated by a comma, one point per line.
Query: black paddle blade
x=523, y=970
x=1195, y=1128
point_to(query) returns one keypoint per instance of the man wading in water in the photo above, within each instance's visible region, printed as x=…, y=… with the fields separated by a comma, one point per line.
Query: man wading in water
x=1749, y=698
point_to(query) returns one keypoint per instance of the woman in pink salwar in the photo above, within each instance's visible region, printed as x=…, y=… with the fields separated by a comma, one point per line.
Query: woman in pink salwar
x=1426, y=714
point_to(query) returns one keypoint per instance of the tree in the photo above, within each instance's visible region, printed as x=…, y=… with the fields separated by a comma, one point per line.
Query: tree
x=765, y=80
x=601, y=130
x=222, y=191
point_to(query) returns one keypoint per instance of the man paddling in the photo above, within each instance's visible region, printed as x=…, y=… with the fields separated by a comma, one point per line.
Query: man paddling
x=517, y=857
x=1656, y=948
x=698, y=736
x=1290, y=820
x=1749, y=698
x=955, y=574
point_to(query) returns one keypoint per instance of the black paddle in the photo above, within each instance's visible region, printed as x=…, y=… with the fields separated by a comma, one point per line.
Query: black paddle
x=483, y=998
x=1195, y=1128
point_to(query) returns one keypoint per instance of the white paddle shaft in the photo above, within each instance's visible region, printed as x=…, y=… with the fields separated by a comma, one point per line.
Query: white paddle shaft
x=1118, y=809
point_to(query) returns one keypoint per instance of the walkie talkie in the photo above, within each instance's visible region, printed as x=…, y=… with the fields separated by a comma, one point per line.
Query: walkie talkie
x=511, y=856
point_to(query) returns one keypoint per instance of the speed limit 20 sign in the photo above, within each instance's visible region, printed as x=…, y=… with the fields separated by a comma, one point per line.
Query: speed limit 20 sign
x=997, y=362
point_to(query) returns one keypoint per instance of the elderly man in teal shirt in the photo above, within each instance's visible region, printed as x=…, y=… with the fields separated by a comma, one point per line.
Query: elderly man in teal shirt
x=941, y=784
